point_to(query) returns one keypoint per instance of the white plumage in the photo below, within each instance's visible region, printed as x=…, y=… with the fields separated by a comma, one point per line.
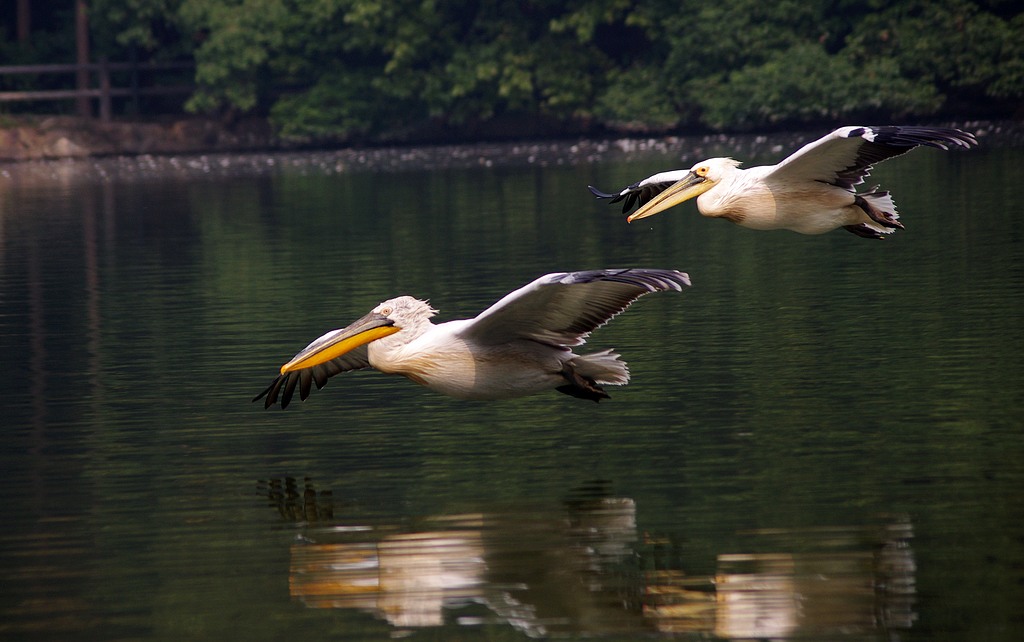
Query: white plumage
x=813, y=191
x=519, y=346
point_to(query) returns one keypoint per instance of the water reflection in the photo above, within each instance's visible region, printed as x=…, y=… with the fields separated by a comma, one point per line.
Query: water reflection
x=138, y=311
x=587, y=567
x=846, y=584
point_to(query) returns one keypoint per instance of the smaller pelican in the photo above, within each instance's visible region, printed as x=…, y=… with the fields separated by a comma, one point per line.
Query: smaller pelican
x=811, y=192
x=519, y=346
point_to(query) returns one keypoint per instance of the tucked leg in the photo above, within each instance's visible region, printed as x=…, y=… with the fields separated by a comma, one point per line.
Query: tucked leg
x=878, y=216
x=581, y=387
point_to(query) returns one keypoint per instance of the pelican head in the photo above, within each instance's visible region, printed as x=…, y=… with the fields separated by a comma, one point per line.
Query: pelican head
x=410, y=315
x=389, y=317
x=701, y=177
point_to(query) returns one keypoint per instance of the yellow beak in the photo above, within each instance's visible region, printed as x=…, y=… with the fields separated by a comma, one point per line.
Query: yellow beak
x=337, y=342
x=689, y=187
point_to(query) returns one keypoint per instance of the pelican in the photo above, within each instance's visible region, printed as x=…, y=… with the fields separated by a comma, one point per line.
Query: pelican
x=811, y=192
x=519, y=346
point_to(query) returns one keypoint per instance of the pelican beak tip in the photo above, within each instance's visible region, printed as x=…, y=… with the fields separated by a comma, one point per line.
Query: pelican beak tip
x=338, y=342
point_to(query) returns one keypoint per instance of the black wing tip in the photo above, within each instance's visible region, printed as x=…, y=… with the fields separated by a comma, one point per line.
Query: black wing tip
x=284, y=386
x=615, y=197
x=912, y=136
x=272, y=392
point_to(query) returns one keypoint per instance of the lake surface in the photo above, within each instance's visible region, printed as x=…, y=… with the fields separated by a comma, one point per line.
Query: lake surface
x=823, y=437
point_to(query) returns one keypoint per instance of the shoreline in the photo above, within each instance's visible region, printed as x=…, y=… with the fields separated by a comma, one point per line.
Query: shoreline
x=39, y=138
x=55, y=138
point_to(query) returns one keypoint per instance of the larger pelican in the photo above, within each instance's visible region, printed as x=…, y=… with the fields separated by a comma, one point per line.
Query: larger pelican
x=519, y=346
x=811, y=192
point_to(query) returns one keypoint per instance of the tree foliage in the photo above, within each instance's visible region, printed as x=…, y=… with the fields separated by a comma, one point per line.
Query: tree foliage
x=956, y=46
x=377, y=69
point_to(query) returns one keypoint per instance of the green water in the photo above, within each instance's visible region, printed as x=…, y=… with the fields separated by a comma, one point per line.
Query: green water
x=823, y=437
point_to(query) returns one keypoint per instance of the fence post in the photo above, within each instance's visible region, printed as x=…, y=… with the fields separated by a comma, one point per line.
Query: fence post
x=24, y=21
x=82, y=57
x=105, y=108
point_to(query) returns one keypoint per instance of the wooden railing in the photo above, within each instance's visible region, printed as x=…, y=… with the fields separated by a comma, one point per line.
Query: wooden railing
x=104, y=91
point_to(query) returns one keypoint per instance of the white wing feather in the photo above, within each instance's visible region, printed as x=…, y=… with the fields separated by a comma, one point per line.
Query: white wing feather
x=564, y=307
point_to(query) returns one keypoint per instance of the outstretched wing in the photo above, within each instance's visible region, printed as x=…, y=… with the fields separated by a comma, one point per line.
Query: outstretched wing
x=637, y=194
x=564, y=307
x=284, y=385
x=845, y=156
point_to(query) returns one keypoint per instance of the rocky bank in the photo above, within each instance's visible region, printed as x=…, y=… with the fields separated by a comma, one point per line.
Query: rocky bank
x=52, y=137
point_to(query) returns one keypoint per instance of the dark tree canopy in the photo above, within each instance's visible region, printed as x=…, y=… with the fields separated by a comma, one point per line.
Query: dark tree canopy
x=387, y=69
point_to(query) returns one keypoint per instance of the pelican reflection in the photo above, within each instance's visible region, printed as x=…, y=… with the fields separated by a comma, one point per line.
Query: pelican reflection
x=585, y=567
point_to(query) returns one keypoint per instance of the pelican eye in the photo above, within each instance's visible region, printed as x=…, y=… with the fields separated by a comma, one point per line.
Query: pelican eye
x=385, y=311
x=701, y=171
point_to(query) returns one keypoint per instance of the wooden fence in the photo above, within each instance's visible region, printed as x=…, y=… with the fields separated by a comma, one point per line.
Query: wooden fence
x=104, y=91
